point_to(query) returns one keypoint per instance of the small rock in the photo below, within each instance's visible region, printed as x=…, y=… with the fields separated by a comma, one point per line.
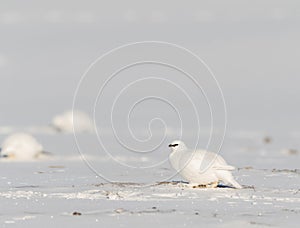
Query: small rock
x=120, y=210
x=76, y=213
x=290, y=151
x=267, y=139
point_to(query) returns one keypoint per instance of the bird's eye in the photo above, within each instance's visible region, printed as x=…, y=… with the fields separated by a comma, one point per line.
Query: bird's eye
x=173, y=145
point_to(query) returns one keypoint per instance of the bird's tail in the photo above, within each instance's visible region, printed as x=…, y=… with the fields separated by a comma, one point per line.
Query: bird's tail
x=224, y=167
x=235, y=183
x=44, y=154
x=47, y=153
x=227, y=178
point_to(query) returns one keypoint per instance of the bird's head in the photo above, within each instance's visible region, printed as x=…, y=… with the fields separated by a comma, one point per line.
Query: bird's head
x=7, y=155
x=177, y=145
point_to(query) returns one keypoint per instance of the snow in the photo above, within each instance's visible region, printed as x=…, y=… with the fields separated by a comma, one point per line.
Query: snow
x=50, y=191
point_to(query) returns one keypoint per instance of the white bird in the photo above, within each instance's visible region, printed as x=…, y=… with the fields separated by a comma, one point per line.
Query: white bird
x=200, y=167
x=68, y=120
x=21, y=146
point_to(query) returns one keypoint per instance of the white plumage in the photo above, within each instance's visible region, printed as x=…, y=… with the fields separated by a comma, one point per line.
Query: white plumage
x=200, y=167
x=21, y=146
x=78, y=120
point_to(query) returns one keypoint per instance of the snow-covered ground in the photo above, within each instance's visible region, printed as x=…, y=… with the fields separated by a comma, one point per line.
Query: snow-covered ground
x=253, y=49
x=64, y=190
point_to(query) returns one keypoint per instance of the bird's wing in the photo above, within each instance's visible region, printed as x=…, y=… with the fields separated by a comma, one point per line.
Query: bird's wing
x=216, y=161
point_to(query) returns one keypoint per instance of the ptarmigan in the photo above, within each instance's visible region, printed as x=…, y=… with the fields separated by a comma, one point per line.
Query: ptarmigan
x=72, y=120
x=21, y=146
x=200, y=167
